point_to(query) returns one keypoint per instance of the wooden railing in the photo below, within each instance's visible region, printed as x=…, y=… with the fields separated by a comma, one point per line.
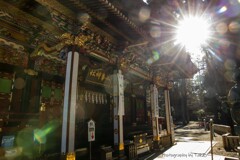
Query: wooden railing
x=221, y=129
x=230, y=142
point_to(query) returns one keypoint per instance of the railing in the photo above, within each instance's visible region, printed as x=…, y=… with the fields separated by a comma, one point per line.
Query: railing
x=221, y=129
x=230, y=142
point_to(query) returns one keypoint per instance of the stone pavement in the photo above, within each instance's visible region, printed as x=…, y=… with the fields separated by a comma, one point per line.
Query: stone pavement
x=195, y=150
x=192, y=143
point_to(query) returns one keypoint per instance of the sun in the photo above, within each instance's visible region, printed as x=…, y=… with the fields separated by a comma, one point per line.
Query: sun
x=193, y=33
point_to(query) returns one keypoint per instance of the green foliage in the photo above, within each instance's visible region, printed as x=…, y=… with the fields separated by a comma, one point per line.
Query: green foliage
x=200, y=113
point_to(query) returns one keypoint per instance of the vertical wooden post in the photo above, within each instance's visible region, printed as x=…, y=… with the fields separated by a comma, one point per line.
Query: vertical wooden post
x=211, y=137
x=69, y=108
x=170, y=129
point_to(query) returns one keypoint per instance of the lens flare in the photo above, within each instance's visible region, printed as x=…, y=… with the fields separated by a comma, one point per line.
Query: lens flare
x=144, y=14
x=155, y=57
x=222, y=9
x=41, y=134
x=193, y=32
x=230, y=8
x=155, y=32
x=234, y=27
x=215, y=55
x=221, y=28
x=230, y=64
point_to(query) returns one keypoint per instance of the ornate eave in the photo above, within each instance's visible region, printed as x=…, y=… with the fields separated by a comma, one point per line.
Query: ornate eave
x=12, y=53
x=20, y=15
x=106, y=34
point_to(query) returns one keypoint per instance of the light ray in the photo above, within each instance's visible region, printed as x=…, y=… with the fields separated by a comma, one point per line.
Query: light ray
x=193, y=32
x=202, y=12
x=215, y=55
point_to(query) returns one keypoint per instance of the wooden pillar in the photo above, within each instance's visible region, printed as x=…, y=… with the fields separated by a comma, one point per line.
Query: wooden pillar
x=170, y=128
x=42, y=115
x=118, y=98
x=69, y=107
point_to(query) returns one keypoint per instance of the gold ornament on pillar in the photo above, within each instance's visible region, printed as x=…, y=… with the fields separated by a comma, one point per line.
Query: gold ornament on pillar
x=43, y=107
x=123, y=63
x=158, y=81
x=79, y=40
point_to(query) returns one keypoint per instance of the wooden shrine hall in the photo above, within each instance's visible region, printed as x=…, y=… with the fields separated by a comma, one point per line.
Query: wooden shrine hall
x=81, y=76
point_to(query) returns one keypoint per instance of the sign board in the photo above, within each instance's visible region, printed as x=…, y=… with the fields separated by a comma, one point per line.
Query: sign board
x=91, y=130
x=98, y=77
x=7, y=141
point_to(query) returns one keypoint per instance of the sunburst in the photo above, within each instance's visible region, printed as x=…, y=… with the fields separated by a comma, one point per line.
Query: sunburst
x=193, y=32
x=191, y=28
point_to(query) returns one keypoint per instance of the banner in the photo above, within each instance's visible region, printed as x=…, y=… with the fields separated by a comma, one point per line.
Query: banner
x=120, y=94
x=154, y=101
